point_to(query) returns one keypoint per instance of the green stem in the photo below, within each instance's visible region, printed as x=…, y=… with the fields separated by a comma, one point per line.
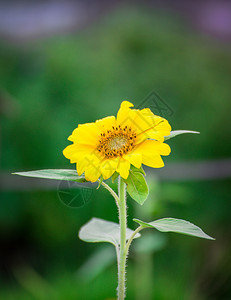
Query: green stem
x=107, y=187
x=138, y=229
x=123, y=228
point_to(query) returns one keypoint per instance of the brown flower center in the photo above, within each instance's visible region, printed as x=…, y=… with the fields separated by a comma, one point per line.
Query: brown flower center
x=116, y=142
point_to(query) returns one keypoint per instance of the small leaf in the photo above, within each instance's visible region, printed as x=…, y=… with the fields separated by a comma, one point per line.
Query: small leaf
x=178, y=132
x=143, y=224
x=57, y=174
x=98, y=230
x=175, y=225
x=141, y=170
x=136, y=186
x=100, y=181
x=114, y=177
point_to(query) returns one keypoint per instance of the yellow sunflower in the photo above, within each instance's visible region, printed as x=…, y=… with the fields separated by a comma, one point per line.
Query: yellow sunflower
x=112, y=144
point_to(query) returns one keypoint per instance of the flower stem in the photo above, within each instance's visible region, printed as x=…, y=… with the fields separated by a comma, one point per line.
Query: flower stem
x=123, y=252
x=107, y=187
x=138, y=229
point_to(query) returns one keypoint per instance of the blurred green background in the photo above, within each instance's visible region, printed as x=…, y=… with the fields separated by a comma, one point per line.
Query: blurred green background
x=50, y=85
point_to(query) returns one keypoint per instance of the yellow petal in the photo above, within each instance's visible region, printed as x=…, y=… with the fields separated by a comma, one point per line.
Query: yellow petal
x=83, y=164
x=134, y=158
x=143, y=122
x=88, y=161
x=147, y=125
x=123, y=168
x=105, y=123
x=88, y=134
x=153, y=161
x=93, y=173
x=151, y=146
x=151, y=151
x=75, y=152
x=123, y=114
x=108, y=167
x=161, y=129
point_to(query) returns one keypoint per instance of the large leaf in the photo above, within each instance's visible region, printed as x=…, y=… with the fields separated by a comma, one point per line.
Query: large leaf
x=178, y=132
x=57, y=174
x=136, y=185
x=98, y=230
x=175, y=225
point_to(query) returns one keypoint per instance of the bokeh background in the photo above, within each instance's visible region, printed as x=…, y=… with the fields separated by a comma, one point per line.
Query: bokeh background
x=68, y=62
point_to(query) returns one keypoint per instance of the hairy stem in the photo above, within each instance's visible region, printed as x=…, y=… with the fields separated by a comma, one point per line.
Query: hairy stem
x=123, y=228
x=138, y=229
x=107, y=187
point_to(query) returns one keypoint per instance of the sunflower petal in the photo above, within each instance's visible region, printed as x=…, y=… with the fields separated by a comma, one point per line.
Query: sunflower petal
x=150, y=126
x=75, y=152
x=123, y=168
x=93, y=173
x=88, y=161
x=151, y=151
x=86, y=134
x=108, y=167
x=105, y=123
x=123, y=114
x=134, y=158
x=153, y=161
x=154, y=147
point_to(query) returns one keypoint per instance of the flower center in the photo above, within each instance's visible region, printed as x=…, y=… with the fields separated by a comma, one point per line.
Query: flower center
x=116, y=142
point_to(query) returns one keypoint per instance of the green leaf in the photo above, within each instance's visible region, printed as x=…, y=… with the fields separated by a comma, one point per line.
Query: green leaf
x=57, y=174
x=141, y=170
x=114, y=177
x=143, y=224
x=175, y=225
x=178, y=132
x=98, y=230
x=136, y=186
x=100, y=181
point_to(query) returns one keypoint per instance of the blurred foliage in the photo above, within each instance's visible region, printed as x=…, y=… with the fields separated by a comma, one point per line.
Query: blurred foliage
x=51, y=85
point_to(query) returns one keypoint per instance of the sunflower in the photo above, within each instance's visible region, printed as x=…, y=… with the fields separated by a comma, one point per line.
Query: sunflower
x=113, y=144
